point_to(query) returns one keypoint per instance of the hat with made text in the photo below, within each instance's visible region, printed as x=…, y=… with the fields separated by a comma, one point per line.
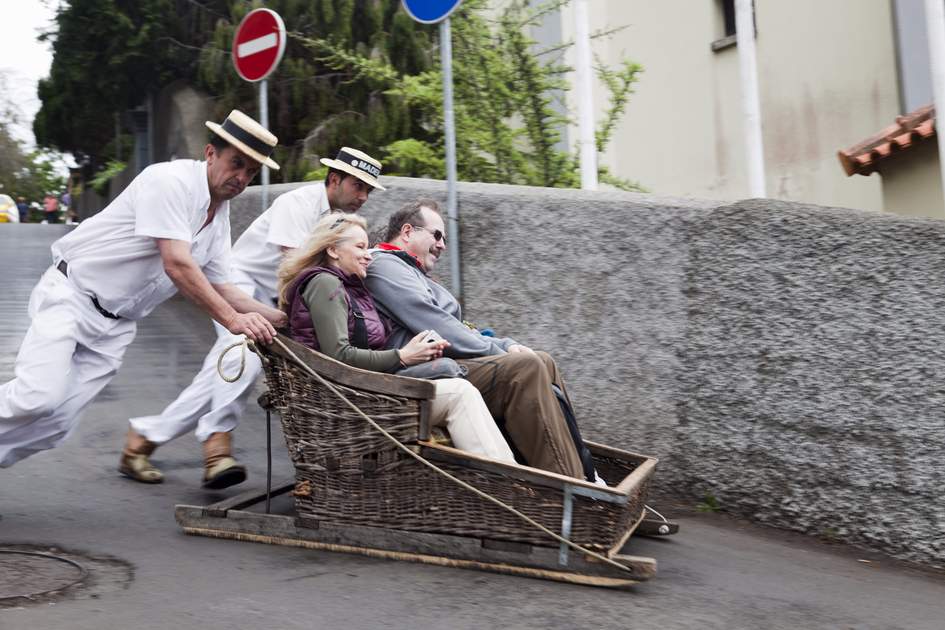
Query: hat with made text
x=357, y=163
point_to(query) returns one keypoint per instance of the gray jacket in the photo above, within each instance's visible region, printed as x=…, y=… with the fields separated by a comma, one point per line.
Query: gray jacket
x=414, y=302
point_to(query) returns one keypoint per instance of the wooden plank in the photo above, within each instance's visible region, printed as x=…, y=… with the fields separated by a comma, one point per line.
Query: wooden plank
x=248, y=498
x=527, y=474
x=353, y=377
x=638, y=476
x=613, y=551
x=396, y=541
x=507, y=569
x=426, y=412
x=609, y=451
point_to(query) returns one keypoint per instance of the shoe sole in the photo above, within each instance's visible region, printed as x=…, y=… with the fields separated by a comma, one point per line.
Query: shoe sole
x=127, y=472
x=227, y=478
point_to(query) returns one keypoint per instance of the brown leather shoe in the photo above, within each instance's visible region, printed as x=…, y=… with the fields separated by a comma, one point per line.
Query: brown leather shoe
x=134, y=462
x=220, y=470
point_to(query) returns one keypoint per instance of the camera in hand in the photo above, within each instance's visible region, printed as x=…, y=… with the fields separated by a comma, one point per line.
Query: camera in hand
x=432, y=337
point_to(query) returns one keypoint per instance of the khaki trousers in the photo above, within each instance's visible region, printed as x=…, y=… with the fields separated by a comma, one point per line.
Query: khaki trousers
x=517, y=390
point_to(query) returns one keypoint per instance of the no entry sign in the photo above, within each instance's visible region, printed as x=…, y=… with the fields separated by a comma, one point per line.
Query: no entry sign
x=258, y=44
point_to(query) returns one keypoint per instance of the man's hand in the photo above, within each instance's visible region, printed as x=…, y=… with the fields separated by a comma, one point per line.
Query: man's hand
x=242, y=302
x=253, y=325
x=517, y=347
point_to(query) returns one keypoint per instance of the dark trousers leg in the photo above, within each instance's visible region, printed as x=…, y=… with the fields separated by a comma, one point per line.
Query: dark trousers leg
x=517, y=390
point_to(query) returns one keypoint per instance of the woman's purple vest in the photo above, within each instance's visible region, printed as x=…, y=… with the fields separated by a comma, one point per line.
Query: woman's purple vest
x=301, y=328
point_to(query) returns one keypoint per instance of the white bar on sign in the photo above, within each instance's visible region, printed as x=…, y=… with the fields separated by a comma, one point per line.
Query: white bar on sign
x=259, y=44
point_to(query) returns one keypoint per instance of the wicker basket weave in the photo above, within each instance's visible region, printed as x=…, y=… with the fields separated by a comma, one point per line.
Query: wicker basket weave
x=347, y=472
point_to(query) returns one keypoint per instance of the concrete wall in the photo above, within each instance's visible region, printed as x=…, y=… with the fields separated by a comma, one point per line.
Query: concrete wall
x=827, y=78
x=786, y=359
x=912, y=182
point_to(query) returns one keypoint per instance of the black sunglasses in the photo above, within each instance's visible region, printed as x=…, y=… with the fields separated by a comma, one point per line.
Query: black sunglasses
x=437, y=235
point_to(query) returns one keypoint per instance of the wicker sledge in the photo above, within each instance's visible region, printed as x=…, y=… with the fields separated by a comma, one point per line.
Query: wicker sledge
x=351, y=478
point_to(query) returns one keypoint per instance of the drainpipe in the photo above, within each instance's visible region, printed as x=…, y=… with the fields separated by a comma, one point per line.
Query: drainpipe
x=751, y=109
x=935, y=21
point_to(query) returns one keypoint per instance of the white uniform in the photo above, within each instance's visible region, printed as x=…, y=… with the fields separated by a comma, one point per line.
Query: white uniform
x=209, y=403
x=71, y=350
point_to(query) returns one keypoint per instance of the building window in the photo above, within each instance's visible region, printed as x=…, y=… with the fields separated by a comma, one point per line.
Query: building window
x=728, y=16
x=725, y=12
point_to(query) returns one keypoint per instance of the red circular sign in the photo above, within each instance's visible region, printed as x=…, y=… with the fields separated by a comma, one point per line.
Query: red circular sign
x=258, y=44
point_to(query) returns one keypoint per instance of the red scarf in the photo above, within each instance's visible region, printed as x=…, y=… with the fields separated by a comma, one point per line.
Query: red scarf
x=387, y=247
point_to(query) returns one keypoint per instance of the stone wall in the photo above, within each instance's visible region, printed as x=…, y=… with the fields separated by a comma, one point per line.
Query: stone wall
x=785, y=359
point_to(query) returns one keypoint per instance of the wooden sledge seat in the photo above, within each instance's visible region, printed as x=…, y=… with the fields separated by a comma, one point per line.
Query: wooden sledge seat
x=349, y=473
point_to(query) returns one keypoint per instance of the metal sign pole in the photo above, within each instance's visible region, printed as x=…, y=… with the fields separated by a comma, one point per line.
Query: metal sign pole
x=264, y=121
x=452, y=213
x=585, y=97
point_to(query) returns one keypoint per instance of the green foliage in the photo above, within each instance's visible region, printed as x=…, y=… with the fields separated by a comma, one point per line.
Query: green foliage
x=314, y=109
x=101, y=179
x=24, y=172
x=108, y=55
x=709, y=504
x=507, y=128
x=360, y=73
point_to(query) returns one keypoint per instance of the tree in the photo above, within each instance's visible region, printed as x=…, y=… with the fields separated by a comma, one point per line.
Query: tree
x=24, y=172
x=108, y=55
x=355, y=72
x=314, y=109
x=507, y=129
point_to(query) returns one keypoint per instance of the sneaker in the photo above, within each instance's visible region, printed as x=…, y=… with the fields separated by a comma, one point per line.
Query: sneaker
x=599, y=481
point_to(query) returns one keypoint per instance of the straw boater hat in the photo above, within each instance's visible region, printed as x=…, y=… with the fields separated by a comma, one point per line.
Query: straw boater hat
x=248, y=136
x=356, y=163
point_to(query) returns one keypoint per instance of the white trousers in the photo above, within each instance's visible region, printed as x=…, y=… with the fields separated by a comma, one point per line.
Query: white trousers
x=209, y=404
x=459, y=407
x=70, y=352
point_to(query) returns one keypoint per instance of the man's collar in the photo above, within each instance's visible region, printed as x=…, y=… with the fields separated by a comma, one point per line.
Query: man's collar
x=400, y=252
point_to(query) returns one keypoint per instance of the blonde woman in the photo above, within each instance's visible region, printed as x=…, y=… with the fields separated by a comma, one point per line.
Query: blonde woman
x=321, y=289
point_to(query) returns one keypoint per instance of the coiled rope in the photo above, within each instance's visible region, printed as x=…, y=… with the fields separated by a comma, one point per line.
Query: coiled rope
x=428, y=464
x=244, y=343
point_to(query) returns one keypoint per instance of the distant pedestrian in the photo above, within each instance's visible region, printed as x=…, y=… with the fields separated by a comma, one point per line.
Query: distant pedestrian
x=51, y=208
x=24, y=209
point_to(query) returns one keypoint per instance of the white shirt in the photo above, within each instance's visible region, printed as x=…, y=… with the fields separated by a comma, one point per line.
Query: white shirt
x=114, y=254
x=288, y=222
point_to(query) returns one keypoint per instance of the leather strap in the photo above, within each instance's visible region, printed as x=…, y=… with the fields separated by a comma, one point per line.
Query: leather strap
x=63, y=268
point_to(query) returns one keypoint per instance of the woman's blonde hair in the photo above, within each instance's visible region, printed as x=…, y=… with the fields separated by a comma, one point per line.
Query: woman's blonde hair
x=314, y=253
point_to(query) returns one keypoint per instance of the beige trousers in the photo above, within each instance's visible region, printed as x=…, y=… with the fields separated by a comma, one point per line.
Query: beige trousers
x=459, y=407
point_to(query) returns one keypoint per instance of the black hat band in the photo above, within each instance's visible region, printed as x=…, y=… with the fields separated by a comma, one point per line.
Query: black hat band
x=358, y=163
x=246, y=138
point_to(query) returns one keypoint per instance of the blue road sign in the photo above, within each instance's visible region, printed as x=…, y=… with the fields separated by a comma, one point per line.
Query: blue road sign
x=430, y=11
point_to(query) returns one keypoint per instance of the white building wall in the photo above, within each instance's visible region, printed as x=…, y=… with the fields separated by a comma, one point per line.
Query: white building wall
x=827, y=75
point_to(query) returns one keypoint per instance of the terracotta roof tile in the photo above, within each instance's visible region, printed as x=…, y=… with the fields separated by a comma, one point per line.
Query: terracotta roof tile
x=909, y=130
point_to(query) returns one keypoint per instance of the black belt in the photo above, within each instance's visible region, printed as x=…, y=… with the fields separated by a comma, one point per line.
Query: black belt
x=63, y=266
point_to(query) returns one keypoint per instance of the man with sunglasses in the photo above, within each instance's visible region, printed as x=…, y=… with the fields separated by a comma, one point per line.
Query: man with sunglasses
x=210, y=405
x=517, y=383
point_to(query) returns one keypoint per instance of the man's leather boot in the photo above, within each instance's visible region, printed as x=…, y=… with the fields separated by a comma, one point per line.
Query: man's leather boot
x=134, y=461
x=220, y=470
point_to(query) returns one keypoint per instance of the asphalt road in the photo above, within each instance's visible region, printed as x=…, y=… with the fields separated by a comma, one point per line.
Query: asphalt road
x=144, y=573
